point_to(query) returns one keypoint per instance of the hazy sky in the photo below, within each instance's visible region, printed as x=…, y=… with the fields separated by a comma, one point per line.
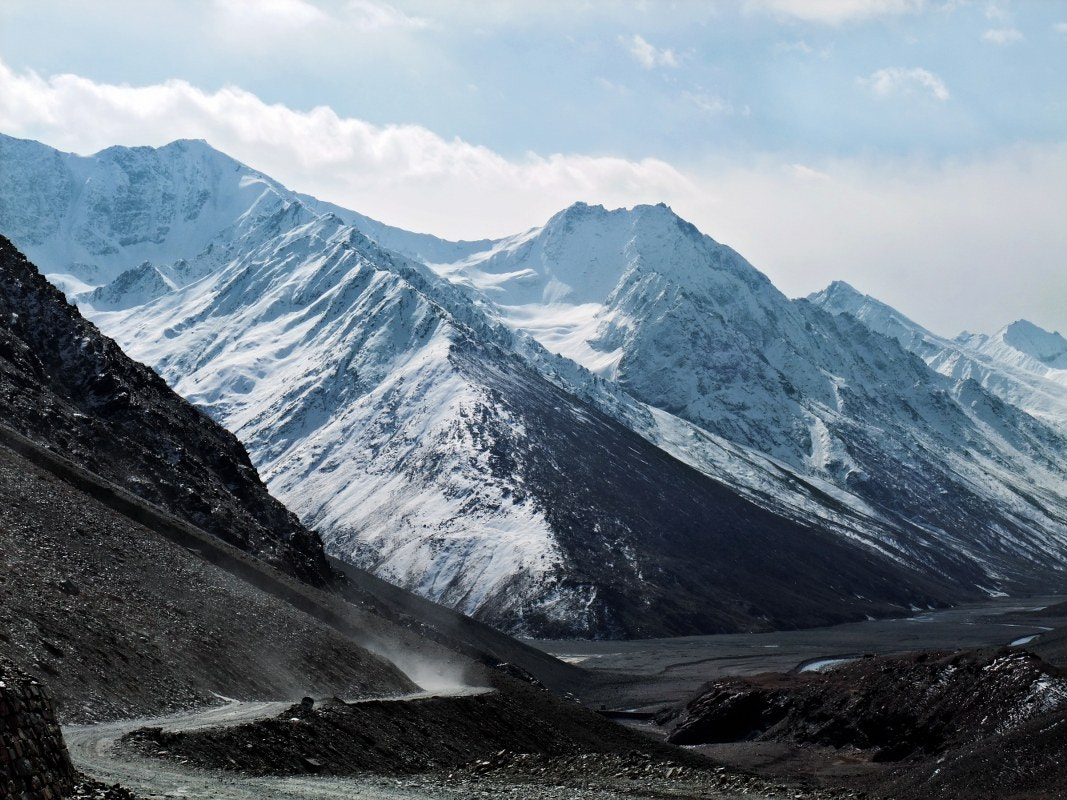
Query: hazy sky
x=914, y=148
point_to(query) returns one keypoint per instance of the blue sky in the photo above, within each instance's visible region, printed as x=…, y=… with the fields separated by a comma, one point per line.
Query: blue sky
x=916, y=148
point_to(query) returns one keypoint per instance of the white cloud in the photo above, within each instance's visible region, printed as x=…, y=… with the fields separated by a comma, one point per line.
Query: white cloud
x=411, y=176
x=249, y=21
x=834, y=12
x=807, y=173
x=708, y=103
x=899, y=80
x=370, y=15
x=1002, y=36
x=802, y=48
x=994, y=11
x=646, y=54
x=1060, y=27
x=259, y=16
x=612, y=87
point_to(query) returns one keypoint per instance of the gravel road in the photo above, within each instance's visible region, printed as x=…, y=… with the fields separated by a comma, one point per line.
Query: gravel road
x=94, y=751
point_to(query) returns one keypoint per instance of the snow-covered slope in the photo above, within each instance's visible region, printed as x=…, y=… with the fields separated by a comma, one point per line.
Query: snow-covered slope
x=335, y=372
x=610, y=425
x=1024, y=346
x=1021, y=363
x=182, y=208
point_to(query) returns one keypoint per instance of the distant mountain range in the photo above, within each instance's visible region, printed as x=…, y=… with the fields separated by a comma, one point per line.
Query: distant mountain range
x=610, y=425
x=1021, y=363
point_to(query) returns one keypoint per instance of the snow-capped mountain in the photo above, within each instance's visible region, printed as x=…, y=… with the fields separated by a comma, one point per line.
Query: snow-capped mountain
x=610, y=425
x=690, y=328
x=391, y=415
x=157, y=218
x=1021, y=363
x=1024, y=344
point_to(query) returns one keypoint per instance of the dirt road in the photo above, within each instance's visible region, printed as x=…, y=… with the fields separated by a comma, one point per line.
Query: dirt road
x=94, y=751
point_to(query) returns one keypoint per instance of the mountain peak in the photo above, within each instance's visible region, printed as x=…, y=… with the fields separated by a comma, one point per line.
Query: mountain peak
x=840, y=297
x=581, y=210
x=1048, y=348
x=581, y=207
x=844, y=288
x=190, y=142
x=576, y=213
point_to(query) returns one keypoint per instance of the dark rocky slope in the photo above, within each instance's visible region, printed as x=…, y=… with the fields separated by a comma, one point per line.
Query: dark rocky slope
x=403, y=737
x=517, y=740
x=120, y=621
x=34, y=763
x=65, y=385
x=667, y=550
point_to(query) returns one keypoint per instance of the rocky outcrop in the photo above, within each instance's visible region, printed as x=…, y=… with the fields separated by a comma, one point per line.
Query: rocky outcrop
x=34, y=763
x=891, y=708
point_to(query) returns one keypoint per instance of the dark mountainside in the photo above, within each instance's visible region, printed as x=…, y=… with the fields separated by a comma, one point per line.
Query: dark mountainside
x=121, y=621
x=65, y=385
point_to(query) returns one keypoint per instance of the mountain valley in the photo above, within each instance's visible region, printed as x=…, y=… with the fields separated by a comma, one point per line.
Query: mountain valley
x=608, y=428
x=132, y=612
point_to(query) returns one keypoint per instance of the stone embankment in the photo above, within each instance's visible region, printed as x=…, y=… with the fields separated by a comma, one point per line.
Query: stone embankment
x=34, y=763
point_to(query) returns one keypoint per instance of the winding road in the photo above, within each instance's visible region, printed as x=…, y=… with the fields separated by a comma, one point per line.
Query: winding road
x=94, y=752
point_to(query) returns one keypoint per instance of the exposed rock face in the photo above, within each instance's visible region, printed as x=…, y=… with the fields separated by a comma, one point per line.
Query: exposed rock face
x=34, y=763
x=65, y=385
x=403, y=737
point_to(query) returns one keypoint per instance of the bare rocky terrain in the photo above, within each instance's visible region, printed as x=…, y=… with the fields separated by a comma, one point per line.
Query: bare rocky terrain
x=119, y=621
x=894, y=707
x=974, y=723
x=73, y=390
x=970, y=737
x=515, y=739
